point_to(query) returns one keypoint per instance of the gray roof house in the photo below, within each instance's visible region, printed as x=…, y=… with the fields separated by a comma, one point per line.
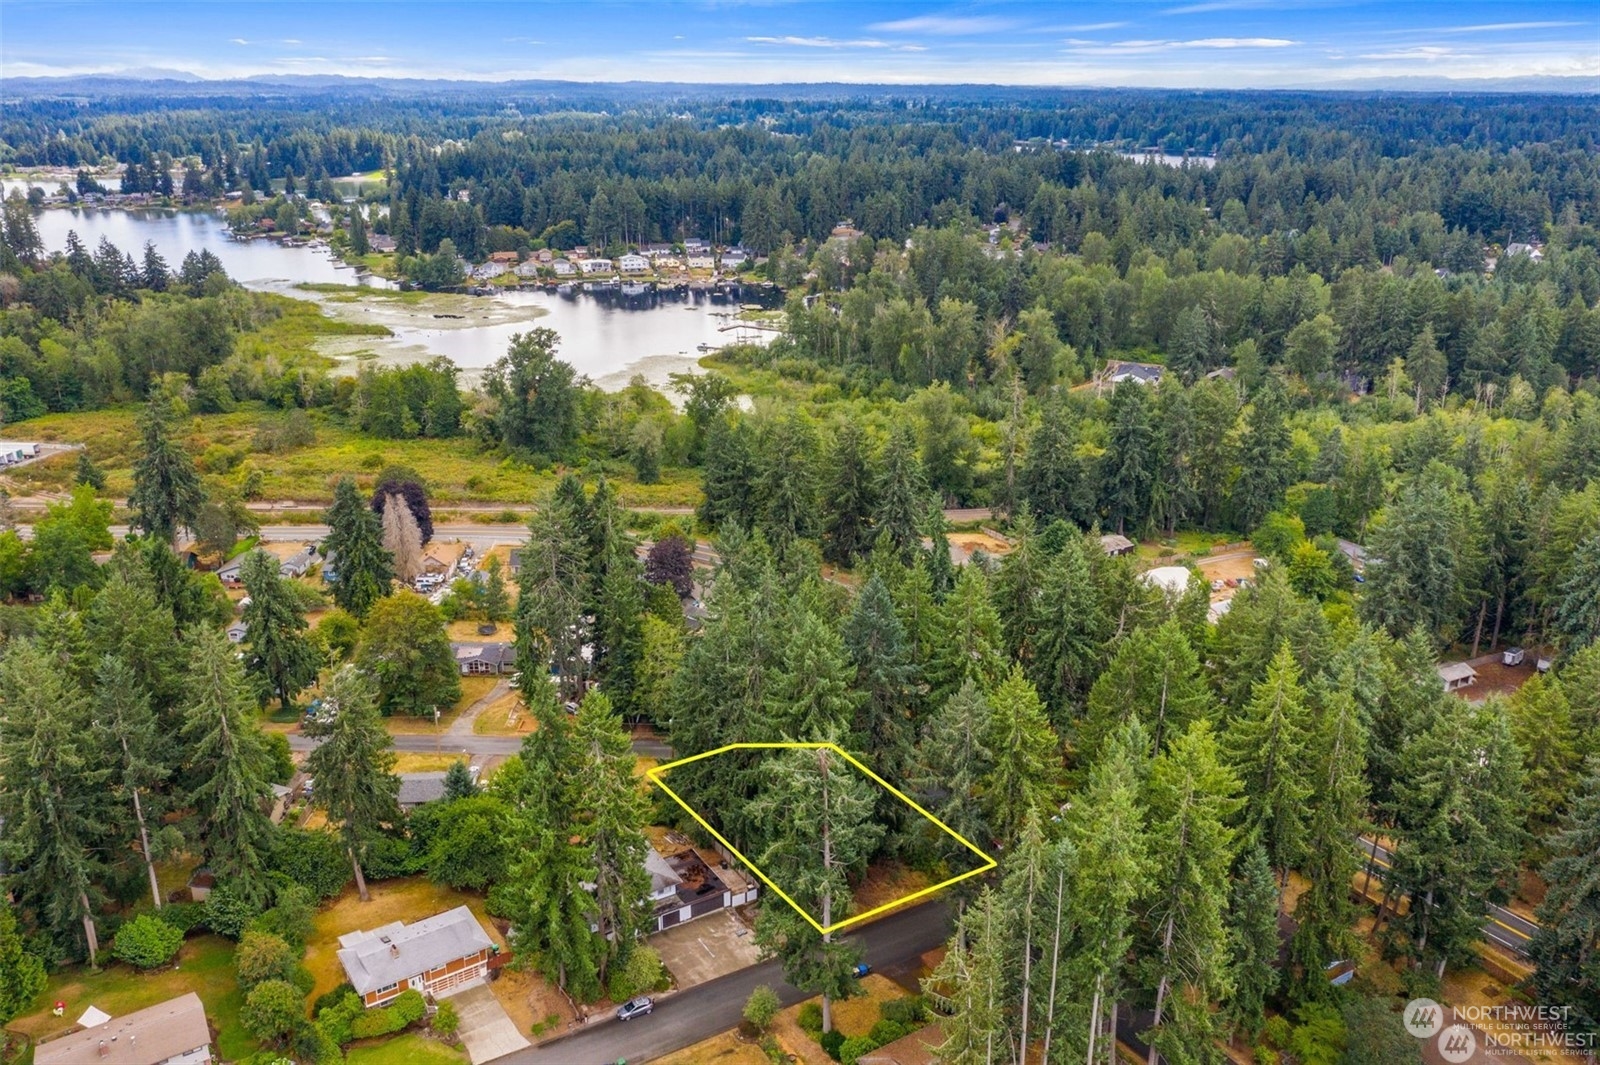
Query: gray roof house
x=173, y=1032
x=228, y=572
x=433, y=955
x=297, y=564
x=485, y=659
x=1456, y=675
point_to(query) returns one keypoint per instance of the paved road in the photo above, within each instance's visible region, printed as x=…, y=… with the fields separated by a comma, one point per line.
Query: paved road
x=1503, y=927
x=701, y=1012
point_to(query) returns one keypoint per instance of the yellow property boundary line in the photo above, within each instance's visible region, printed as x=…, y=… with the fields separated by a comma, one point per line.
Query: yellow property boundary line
x=654, y=773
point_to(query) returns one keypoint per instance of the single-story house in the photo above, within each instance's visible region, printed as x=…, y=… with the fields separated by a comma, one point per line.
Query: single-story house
x=1534, y=252
x=173, y=1032
x=544, y=255
x=418, y=788
x=298, y=563
x=485, y=659
x=1355, y=553
x=434, y=955
x=563, y=268
x=1457, y=675
x=633, y=264
x=527, y=269
x=694, y=244
x=1143, y=373
x=1174, y=580
x=509, y=258
x=229, y=571
x=733, y=258
x=236, y=632
x=1115, y=544
x=381, y=242
x=489, y=271
x=916, y=1048
x=440, y=559
x=597, y=266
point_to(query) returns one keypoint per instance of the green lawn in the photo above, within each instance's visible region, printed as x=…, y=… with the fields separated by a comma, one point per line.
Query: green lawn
x=404, y=1050
x=204, y=965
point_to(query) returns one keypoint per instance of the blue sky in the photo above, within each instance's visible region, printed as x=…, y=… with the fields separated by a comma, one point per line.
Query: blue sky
x=1166, y=43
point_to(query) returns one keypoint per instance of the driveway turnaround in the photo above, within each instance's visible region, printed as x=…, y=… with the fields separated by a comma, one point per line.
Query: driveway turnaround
x=704, y=949
x=485, y=1028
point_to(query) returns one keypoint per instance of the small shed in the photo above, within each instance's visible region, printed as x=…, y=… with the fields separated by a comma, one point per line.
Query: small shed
x=1512, y=656
x=1457, y=675
x=1116, y=544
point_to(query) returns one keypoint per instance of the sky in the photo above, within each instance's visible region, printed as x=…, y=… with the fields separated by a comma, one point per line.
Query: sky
x=1157, y=43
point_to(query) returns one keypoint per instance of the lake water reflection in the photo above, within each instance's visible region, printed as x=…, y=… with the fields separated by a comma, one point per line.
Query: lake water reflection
x=608, y=333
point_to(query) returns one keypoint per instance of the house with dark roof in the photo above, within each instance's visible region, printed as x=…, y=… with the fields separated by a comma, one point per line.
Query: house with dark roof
x=434, y=955
x=418, y=788
x=485, y=659
x=1115, y=544
x=173, y=1032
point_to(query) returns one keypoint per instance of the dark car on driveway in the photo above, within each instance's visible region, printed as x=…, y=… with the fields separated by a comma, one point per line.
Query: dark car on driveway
x=635, y=1007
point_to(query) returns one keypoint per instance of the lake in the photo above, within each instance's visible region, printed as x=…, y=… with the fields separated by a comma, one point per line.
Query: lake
x=608, y=334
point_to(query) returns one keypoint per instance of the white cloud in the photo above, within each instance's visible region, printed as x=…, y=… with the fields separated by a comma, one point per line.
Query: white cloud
x=290, y=41
x=1218, y=5
x=1090, y=27
x=1496, y=27
x=817, y=42
x=946, y=25
x=1146, y=47
x=1430, y=53
x=237, y=40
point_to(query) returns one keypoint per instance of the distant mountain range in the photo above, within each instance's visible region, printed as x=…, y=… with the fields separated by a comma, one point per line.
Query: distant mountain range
x=161, y=82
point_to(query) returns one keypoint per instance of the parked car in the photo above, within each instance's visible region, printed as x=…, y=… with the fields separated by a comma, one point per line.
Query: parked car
x=861, y=970
x=635, y=1007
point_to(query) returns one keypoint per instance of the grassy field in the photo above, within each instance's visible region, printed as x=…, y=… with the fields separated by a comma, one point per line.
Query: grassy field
x=456, y=471
x=204, y=965
x=404, y=1050
x=419, y=762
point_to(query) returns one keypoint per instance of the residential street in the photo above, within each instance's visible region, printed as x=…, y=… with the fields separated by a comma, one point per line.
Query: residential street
x=485, y=745
x=683, y=1019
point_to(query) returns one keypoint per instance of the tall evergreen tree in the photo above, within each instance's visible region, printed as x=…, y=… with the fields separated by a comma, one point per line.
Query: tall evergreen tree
x=166, y=488
x=1253, y=957
x=1070, y=627
x=552, y=589
x=229, y=765
x=1566, y=949
x=22, y=974
x=1459, y=829
x=961, y=637
x=53, y=783
x=902, y=494
x=1264, y=454
x=1131, y=457
x=1420, y=544
x=1106, y=826
x=952, y=762
x=354, y=766
x=140, y=751
x=363, y=568
x=849, y=499
x=1578, y=611
x=876, y=643
x=817, y=814
x=1026, y=757
x=1325, y=916
x=615, y=813
x=728, y=481
x=1192, y=804
x=969, y=985
x=1266, y=747
x=279, y=657
x=1153, y=676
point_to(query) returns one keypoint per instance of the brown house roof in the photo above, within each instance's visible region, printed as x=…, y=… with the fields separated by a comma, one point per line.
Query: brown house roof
x=143, y=1037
